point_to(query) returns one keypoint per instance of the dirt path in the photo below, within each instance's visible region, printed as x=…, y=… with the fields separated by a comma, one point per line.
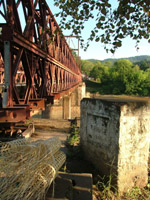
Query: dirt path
x=45, y=128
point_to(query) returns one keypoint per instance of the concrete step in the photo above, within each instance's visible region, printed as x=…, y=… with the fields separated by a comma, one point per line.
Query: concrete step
x=72, y=186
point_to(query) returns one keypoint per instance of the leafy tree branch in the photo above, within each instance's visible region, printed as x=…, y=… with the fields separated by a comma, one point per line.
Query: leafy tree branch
x=130, y=18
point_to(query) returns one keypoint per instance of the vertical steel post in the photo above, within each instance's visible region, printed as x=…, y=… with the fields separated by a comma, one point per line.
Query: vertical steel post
x=7, y=74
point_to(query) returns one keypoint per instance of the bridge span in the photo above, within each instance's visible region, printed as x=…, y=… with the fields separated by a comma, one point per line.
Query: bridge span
x=36, y=63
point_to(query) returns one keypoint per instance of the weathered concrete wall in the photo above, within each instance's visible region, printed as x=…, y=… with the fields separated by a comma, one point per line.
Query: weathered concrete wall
x=74, y=98
x=115, y=137
x=134, y=145
x=75, y=111
x=81, y=92
x=68, y=107
x=78, y=94
x=53, y=112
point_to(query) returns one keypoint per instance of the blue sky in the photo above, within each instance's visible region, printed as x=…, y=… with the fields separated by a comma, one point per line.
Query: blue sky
x=128, y=49
x=96, y=49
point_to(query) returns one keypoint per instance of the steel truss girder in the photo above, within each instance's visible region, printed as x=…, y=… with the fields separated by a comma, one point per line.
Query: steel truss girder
x=40, y=59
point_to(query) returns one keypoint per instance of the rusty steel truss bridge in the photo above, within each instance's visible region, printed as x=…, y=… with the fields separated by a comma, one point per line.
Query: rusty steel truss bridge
x=36, y=63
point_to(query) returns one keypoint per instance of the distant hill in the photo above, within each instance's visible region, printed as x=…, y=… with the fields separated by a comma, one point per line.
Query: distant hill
x=134, y=59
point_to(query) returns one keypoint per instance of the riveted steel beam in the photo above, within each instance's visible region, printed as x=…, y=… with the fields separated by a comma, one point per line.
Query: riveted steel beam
x=35, y=58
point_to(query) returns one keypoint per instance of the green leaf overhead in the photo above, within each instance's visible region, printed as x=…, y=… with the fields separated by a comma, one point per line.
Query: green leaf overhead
x=130, y=18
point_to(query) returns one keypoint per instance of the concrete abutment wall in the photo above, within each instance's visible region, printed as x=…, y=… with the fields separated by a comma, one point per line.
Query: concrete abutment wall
x=68, y=107
x=115, y=137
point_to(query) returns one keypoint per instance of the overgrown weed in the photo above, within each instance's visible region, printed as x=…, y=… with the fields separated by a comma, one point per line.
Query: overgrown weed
x=104, y=190
x=73, y=140
x=104, y=185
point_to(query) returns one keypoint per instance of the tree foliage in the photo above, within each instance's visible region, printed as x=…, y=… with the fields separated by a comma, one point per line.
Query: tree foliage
x=144, y=65
x=130, y=18
x=123, y=77
x=86, y=67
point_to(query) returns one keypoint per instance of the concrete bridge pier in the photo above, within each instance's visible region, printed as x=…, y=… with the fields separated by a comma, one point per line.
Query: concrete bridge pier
x=68, y=106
